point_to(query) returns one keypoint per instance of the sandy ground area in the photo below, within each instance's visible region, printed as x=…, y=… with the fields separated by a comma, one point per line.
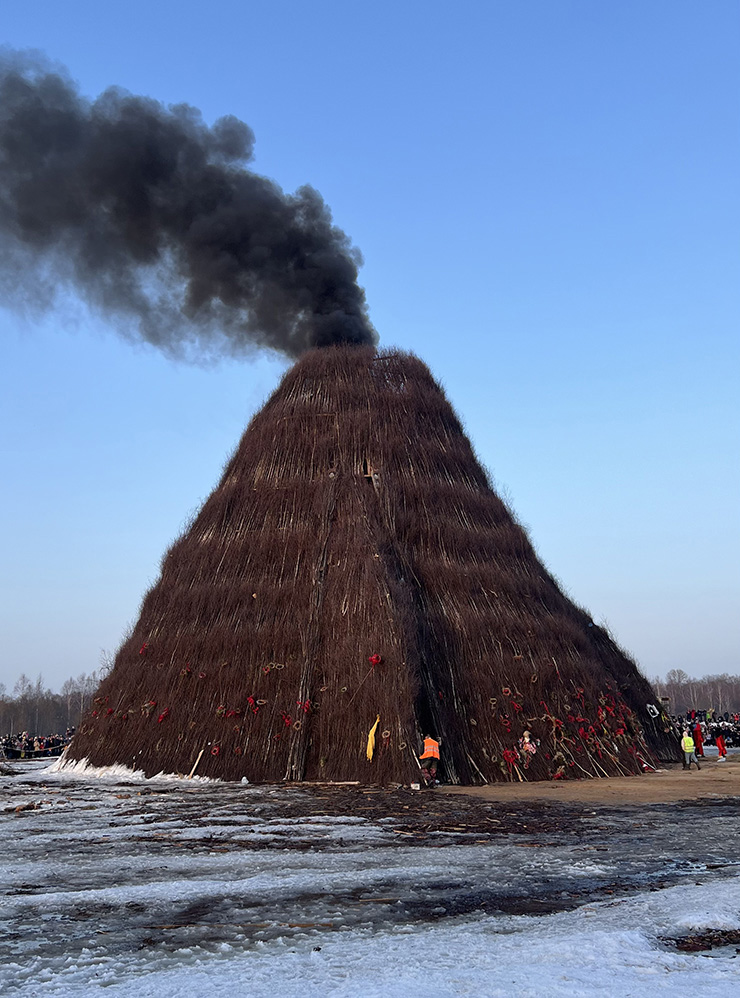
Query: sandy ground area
x=715, y=779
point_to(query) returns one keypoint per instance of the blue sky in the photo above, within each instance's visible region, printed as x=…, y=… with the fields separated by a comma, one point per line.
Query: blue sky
x=546, y=198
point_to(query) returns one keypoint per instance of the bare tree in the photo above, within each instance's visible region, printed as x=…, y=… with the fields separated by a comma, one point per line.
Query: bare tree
x=677, y=677
x=106, y=659
x=23, y=688
x=69, y=689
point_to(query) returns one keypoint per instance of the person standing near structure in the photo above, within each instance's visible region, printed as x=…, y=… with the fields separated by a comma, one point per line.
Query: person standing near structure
x=687, y=746
x=429, y=760
x=699, y=740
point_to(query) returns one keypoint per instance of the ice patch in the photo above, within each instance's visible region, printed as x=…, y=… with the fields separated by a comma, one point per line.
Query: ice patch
x=173, y=888
x=603, y=950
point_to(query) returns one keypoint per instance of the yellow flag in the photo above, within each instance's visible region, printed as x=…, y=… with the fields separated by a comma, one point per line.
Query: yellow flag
x=371, y=739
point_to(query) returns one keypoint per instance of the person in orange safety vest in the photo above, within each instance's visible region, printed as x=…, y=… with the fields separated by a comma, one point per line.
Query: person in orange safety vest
x=429, y=760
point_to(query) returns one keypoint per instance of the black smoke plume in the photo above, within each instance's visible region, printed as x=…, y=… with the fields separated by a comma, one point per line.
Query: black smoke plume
x=152, y=217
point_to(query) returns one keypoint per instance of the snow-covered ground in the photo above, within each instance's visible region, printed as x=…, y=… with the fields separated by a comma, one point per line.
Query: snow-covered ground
x=168, y=888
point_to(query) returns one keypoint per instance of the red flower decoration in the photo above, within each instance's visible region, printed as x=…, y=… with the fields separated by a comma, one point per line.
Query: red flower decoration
x=506, y=691
x=375, y=660
x=165, y=713
x=215, y=750
x=142, y=650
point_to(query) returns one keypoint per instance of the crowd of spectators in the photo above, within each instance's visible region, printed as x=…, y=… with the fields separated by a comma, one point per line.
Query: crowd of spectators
x=34, y=745
x=711, y=725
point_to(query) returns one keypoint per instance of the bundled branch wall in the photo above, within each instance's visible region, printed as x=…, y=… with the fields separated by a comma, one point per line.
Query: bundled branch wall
x=354, y=563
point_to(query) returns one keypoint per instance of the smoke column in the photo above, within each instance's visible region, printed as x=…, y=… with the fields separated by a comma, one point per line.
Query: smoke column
x=153, y=218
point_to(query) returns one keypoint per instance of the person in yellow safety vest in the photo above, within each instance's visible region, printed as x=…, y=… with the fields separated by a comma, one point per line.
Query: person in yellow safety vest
x=430, y=759
x=689, y=756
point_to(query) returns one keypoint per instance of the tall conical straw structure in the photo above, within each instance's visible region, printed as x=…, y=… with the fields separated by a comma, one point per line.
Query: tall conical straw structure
x=354, y=562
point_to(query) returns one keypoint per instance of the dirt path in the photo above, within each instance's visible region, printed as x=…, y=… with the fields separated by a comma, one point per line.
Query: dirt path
x=670, y=784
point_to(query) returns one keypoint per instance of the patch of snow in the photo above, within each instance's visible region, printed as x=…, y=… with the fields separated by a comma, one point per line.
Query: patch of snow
x=601, y=950
x=164, y=888
x=83, y=768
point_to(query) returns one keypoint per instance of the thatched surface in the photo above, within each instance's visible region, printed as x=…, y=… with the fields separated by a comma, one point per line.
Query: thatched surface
x=354, y=521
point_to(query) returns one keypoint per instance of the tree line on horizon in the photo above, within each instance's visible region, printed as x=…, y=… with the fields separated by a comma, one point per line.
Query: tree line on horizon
x=33, y=707
x=720, y=692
